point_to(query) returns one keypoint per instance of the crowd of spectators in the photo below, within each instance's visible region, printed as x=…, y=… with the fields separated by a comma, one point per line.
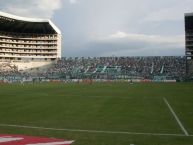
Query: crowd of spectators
x=116, y=67
x=105, y=68
x=10, y=73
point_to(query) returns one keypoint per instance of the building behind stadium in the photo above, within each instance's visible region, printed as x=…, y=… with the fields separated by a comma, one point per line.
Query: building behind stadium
x=189, y=43
x=29, y=44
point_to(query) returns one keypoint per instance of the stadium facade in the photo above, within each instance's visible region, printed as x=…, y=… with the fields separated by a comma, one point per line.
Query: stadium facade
x=189, y=43
x=28, y=43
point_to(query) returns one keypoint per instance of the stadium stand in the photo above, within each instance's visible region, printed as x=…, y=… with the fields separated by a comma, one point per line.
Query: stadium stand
x=119, y=68
x=110, y=68
x=28, y=43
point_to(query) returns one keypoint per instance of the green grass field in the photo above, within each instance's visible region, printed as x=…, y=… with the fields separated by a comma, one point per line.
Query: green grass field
x=101, y=113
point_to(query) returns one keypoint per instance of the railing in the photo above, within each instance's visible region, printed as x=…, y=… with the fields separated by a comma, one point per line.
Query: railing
x=31, y=52
x=18, y=36
x=28, y=47
x=25, y=56
x=29, y=42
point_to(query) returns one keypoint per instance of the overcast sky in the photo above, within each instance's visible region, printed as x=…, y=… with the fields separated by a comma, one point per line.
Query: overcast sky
x=112, y=27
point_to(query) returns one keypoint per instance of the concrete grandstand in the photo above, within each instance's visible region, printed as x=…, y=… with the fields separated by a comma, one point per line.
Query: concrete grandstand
x=28, y=44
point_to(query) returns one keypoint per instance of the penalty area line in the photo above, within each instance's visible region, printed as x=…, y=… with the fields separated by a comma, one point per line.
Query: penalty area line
x=176, y=117
x=93, y=131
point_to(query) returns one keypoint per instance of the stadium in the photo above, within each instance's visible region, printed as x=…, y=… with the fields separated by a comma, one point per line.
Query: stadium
x=94, y=100
x=28, y=44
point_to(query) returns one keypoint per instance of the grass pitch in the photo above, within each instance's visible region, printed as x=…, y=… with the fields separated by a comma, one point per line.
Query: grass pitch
x=101, y=113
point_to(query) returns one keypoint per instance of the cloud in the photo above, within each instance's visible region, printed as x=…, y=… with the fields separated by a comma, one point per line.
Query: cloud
x=73, y=1
x=153, y=39
x=31, y=8
x=173, y=12
x=129, y=44
x=147, y=27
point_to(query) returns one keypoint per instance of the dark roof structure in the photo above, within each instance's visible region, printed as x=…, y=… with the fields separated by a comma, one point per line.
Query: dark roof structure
x=14, y=24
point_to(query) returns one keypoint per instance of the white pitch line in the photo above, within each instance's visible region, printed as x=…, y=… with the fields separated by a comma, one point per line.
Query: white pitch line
x=9, y=139
x=54, y=143
x=176, y=117
x=94, y=131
